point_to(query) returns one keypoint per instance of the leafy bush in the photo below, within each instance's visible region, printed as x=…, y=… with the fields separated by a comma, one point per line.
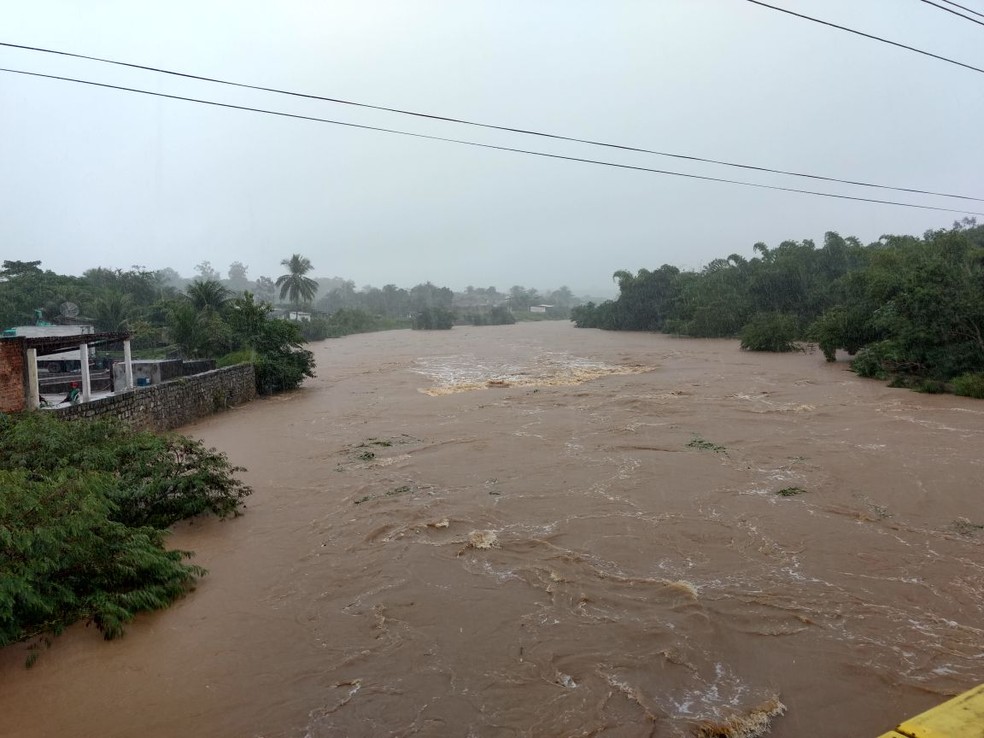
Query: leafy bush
x=878, y=360
x=281, y=362
x=770, y=332
x=156, y=479
x=433, y=318
x=64, y=558
x=842, y=327
x=498, y=315
x=969, y=385
x=83, y=510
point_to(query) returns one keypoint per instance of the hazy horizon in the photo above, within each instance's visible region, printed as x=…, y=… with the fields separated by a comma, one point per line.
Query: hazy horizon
x=98, y=177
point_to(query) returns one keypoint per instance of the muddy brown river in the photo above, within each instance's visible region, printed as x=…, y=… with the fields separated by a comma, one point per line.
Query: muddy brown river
x=535, y=530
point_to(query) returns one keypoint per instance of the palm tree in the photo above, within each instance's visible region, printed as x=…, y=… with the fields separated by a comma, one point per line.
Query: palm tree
x=208, y=296
x=111, y=311
x=300, y=288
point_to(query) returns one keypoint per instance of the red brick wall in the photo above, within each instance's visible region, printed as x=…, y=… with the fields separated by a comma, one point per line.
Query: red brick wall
x=12, y=397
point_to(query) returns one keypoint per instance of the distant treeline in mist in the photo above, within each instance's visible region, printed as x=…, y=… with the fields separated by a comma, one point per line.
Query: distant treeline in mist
x=910, y=309
x=264, y=321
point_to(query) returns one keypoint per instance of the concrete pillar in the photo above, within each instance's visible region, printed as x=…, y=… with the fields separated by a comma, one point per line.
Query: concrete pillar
x=128, y=364
x=33, y=391
x=86, y=388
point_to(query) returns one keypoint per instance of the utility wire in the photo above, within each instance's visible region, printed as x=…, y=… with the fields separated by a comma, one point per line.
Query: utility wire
x=868, y=35
x=954, y=12
x=476, y=144
x=523, y=131
x=958, y=5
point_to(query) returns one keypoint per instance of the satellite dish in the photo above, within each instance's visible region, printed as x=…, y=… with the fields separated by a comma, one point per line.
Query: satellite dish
x=69, y=309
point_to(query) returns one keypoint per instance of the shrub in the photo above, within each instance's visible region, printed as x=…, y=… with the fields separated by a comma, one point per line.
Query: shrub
x=770, y=332
x=156, y=479
x=842, y=327
x=83, y=508
x=281, y=363
x=877, y=360
x=969, y=385
x=498, y=315
x=433, y=318
x=64, y=558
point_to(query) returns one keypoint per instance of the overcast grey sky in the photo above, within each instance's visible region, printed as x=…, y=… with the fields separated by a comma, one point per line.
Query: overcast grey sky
x=98, y=177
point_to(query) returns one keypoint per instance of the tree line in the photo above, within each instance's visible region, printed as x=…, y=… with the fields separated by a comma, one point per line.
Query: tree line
x=205, y=319
x=170, y=315
x=908, y=308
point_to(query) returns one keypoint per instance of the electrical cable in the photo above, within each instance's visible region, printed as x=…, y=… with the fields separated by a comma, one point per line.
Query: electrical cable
x=508, y=129
x=868, y=35
x=476, y=144
x=958, y=5
x=954, y=12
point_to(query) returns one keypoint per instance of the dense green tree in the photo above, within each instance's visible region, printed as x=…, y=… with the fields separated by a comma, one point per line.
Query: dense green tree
x=112, y=311
x=206, y=273
x=910, y=307
x=433, y=318
x=238, y=282
x=265, y=289
x=428, y=296
x=522, y=298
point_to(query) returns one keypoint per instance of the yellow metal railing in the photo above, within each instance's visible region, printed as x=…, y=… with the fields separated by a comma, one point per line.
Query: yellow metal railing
x=961, y=717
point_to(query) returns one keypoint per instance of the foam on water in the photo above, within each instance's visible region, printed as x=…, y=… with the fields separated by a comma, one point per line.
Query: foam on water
x=465, y=372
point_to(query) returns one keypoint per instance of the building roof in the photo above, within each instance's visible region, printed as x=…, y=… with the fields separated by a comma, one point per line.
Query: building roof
x=54, y=344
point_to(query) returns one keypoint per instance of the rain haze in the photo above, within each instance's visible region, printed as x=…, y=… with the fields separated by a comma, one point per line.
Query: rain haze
x=101, y=177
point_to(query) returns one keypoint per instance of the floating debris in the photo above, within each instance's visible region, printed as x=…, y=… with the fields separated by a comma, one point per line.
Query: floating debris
x=483, y=539
x=702, y=444
x=790, y=491
x=752, y=724
x=683, y=586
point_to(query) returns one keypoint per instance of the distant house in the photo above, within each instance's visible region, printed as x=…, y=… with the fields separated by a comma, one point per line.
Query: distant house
x=540, y=308
x=299, y=316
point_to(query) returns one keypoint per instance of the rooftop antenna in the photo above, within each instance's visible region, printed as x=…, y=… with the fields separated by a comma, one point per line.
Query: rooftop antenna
x=69, y=310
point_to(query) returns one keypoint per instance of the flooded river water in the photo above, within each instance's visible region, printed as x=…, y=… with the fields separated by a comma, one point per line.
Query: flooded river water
x=535, y=530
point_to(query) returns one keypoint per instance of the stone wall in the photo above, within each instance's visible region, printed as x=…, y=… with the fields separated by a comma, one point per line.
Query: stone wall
x=12, y=397
x=170, y=405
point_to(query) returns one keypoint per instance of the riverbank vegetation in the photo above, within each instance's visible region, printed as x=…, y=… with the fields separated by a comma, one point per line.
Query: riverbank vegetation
x=170, y=317
x=83, y=518
x=908, y=309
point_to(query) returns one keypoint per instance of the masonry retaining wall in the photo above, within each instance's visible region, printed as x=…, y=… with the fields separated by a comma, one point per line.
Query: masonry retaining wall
x=172, y=404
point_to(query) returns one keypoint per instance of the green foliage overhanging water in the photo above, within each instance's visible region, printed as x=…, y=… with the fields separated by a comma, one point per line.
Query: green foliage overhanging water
x=904, y=306
x=83, y=516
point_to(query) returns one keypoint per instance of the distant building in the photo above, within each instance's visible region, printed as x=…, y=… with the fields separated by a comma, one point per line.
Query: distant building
x=299, y=316
x=540, y=308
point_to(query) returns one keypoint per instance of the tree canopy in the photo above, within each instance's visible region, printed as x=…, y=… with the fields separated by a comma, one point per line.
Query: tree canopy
x=907, y=306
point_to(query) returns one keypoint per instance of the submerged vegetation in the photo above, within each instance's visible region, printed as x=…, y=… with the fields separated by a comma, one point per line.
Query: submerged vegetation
x=905, y=307
x=83, y=516
x=790, y=491
x=702, y=444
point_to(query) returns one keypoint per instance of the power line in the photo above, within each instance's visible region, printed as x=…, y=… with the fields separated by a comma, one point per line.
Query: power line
x=868, y=35
x=476, y=144
x=958, y=5
x=954, y=12
x=508, y=129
